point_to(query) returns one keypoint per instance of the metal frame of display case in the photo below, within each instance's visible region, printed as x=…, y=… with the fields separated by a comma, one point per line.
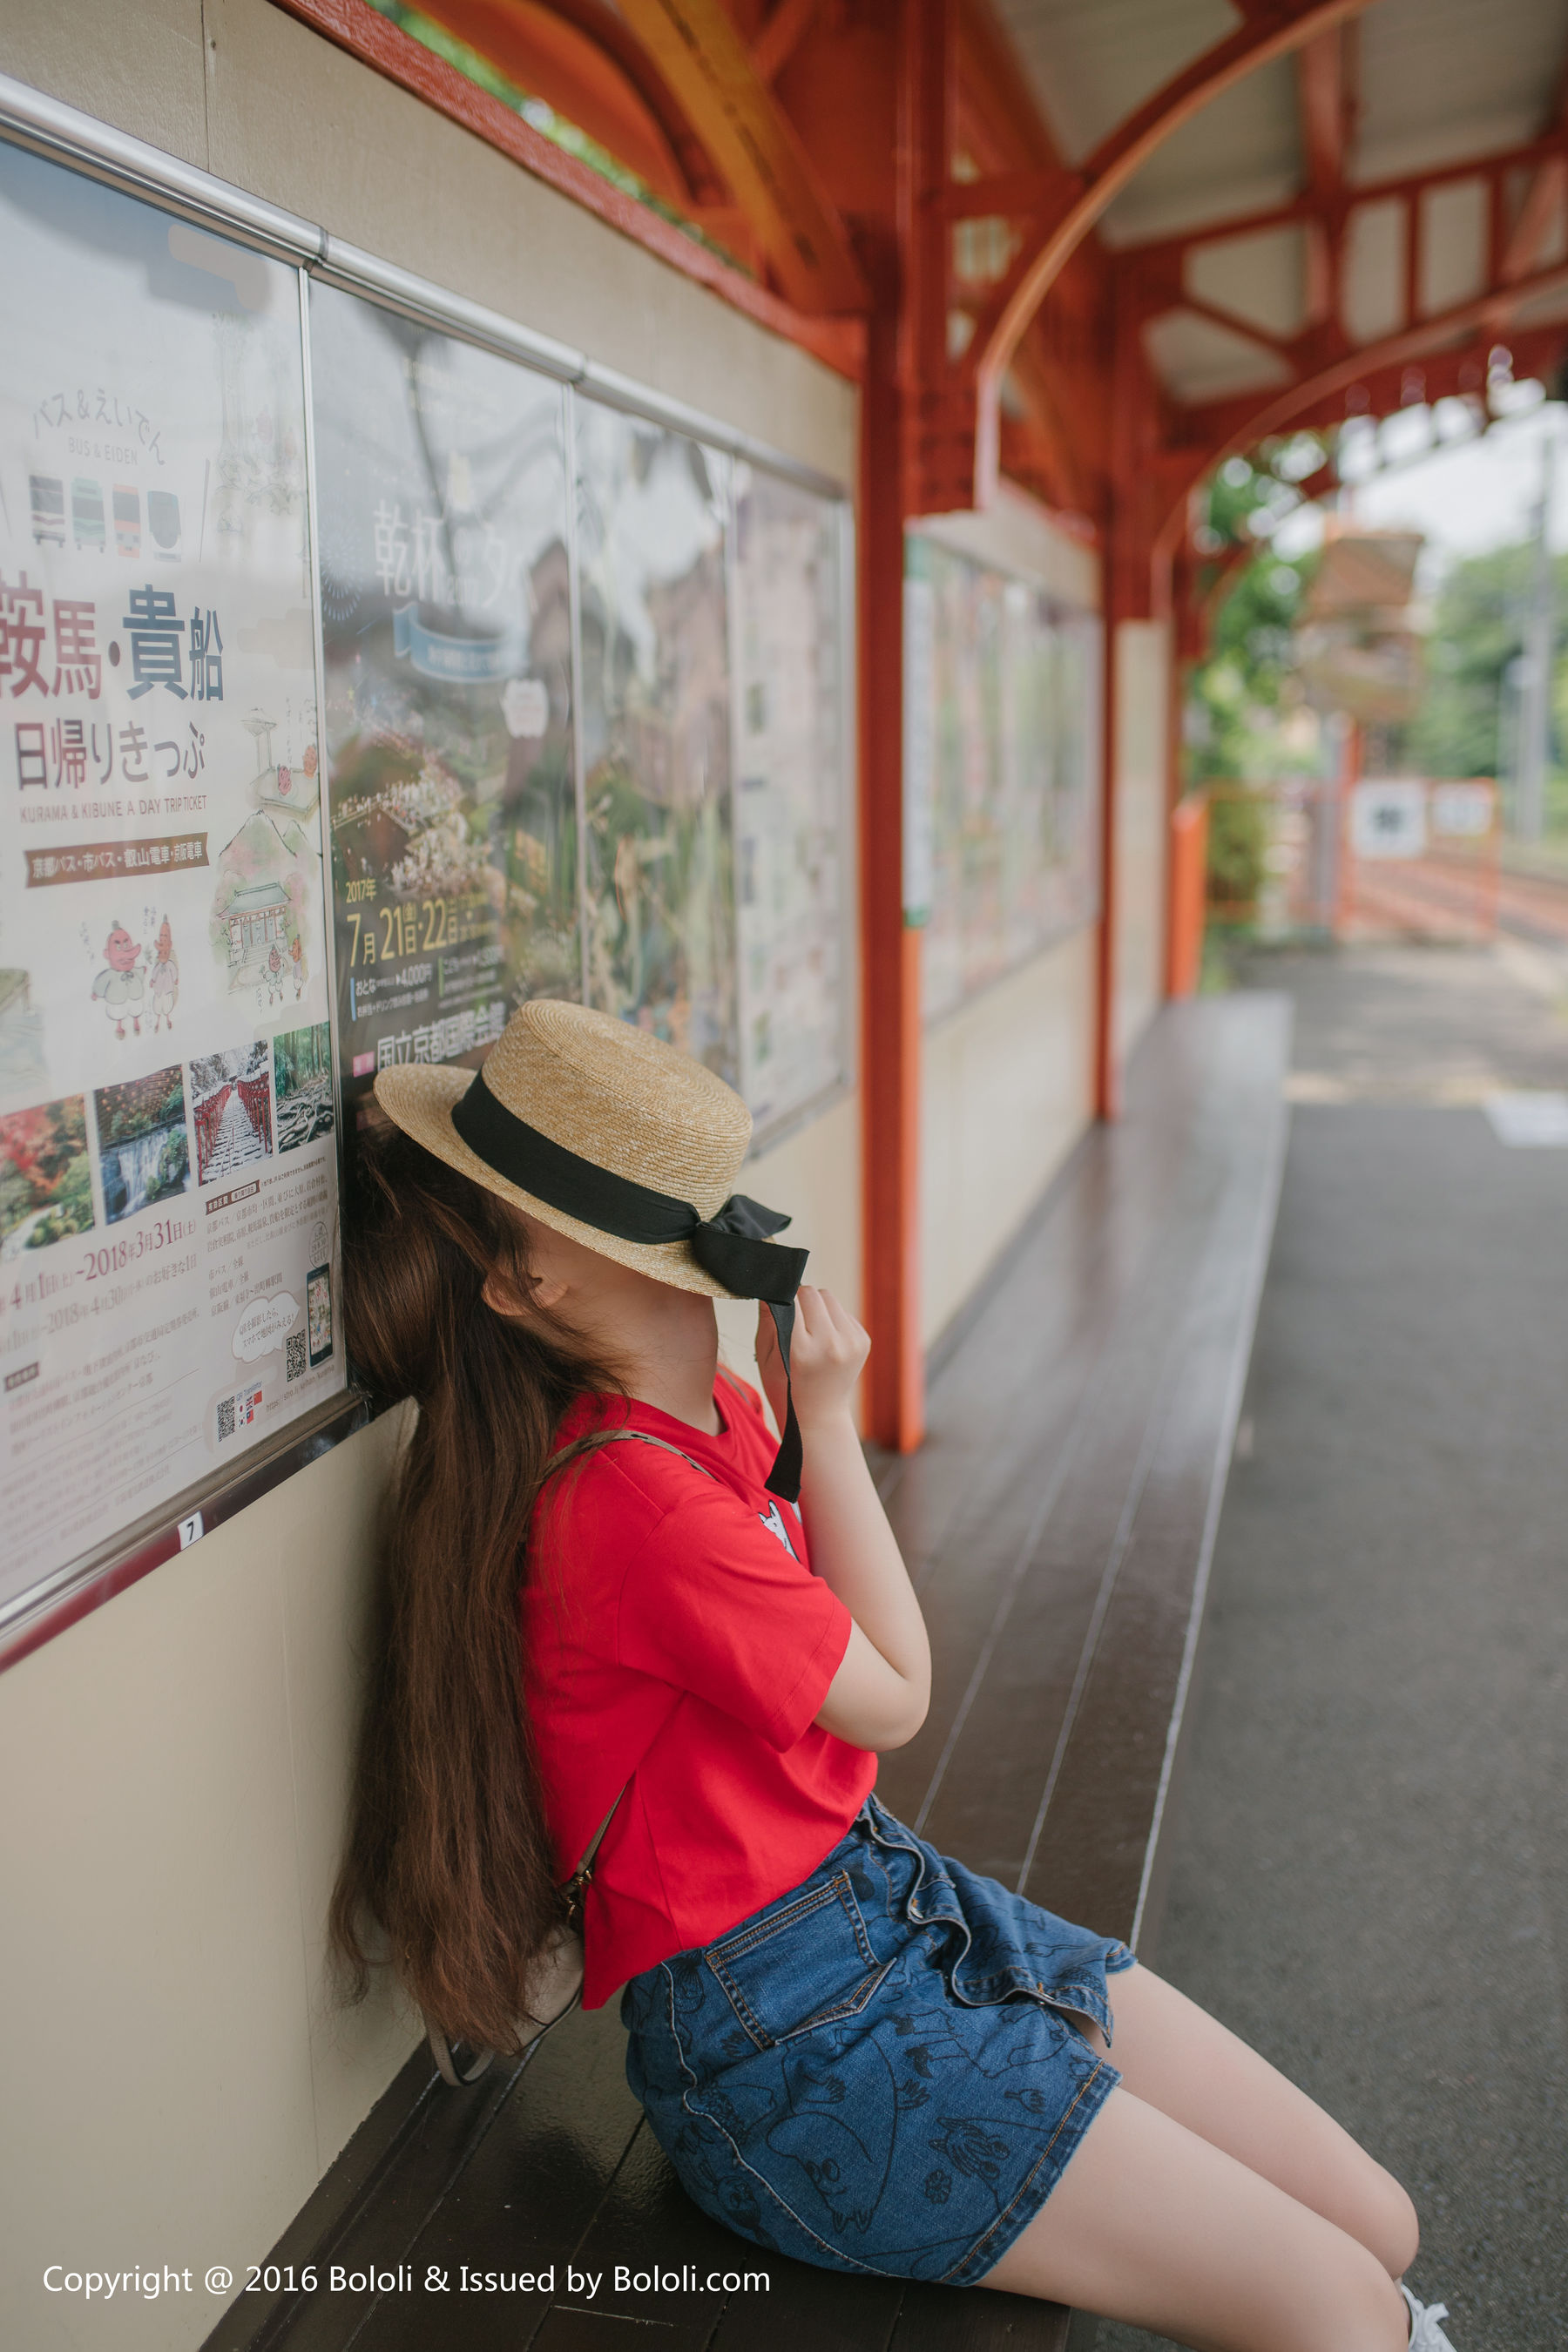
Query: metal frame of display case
x=63, y=134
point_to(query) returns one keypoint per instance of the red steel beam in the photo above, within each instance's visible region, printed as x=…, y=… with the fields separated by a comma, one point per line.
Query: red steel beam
x=1537, y=216
x=781, y=36
x=1270, y=31
x=375, y=41
x=701, y=55
x=1496, y=163
x=584, y=61
x=1217, y=429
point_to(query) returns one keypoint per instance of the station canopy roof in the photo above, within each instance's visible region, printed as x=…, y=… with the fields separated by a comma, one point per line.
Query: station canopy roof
x=1336, y=134
x=1276, y=214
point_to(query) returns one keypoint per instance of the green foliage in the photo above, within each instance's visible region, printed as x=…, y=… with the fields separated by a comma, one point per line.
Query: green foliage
x=138, y=1106
x=70, y=1211
x=43, y=1172
x=1477, y=630
x=1238, y=840
x=301, y=1055
x=174, y=1166
x=1235, y=694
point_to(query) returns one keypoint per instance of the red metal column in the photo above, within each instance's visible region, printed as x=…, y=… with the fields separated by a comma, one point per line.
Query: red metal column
x=1107, y=1075
x=1121, y=601
x=906, y=355
x=890, y=963
x=1136, y=588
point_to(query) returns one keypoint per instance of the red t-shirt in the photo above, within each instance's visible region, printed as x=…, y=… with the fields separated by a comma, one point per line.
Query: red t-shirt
x=674, y=1636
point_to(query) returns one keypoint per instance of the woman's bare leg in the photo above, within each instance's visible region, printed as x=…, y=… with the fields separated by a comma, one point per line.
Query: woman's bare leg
x=1154, y=2225
x=1174, y=2056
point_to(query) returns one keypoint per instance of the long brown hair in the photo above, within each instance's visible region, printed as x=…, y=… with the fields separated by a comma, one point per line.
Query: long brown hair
x=447, y=1856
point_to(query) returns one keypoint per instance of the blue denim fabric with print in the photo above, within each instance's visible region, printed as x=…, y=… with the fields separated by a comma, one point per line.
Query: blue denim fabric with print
x=874, y=2073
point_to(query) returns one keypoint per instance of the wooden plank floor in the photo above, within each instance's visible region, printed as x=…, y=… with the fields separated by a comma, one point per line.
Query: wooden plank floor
x=1059, y=1522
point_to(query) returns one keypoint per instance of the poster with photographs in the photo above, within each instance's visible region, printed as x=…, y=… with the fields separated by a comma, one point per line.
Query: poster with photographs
x=445, y=594
x=1008, y=684
x=792, y=796
x=652, y=513
x=163, y=942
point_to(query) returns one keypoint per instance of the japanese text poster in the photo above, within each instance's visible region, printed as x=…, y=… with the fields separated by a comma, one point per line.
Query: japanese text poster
x=167, y=1154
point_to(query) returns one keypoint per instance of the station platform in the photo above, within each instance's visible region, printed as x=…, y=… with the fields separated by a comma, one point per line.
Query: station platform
x=1060, y=1522
x=1368, y=1878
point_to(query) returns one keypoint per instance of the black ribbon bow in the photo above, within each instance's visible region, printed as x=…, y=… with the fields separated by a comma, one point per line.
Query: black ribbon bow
x=734, y=1245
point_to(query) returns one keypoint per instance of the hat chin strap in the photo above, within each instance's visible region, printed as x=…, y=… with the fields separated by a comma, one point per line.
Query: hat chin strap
x=734, y=1245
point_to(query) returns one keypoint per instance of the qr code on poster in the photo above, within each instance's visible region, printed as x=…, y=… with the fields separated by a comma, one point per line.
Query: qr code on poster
x=238, y=1412
x=295, y=1361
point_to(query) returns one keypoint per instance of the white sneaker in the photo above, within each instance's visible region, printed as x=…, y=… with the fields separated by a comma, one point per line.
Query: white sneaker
x=1426, y=2336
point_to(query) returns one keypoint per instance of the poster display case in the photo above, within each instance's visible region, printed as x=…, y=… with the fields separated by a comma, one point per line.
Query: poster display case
x=653, y=518
x=367, y=666
x=168, y=1173
x=1003, y=684
x=446, y=625
x=793, y=883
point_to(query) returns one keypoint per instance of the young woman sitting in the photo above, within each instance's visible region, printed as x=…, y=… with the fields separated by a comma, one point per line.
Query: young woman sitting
x=602, y=1601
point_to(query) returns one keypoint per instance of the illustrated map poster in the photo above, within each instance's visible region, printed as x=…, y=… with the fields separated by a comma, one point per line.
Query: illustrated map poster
x=168, y=1170
x=446, y=596
x=1008, y=730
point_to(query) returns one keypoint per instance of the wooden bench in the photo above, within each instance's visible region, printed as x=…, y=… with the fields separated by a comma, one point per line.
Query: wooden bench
x=1059, y=1522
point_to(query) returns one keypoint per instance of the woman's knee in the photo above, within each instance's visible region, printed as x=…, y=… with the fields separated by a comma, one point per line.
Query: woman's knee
x=1363, y=2306
x=1339, y=2298
x=1392, y=2231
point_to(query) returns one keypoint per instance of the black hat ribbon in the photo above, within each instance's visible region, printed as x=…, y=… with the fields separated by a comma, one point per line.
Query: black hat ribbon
x=734, y=1245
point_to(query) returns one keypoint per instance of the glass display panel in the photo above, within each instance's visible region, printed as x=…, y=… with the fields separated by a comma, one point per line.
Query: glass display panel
x=653, y=514
x=791, y=796
x=446, y=597
x=168, y=1171
x=1013, y=766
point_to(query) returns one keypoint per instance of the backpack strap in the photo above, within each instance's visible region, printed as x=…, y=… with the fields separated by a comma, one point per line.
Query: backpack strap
x=577, y=1886
x=596, y=1438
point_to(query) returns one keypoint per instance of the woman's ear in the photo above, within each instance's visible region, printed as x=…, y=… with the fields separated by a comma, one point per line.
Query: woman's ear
x=505, y=1293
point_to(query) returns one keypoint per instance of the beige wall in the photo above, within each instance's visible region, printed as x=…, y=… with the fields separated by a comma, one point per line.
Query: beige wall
x=1142, y=654
x=176, y=2078
x=177, y=1768
x=1008, y=1090
x=1007, y=1084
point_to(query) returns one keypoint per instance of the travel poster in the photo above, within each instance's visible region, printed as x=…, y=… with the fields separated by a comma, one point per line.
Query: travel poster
x=445, y=594
x=162, y=909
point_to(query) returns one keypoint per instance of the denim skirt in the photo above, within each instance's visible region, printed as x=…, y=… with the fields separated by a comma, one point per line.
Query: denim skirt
x=875, y=2072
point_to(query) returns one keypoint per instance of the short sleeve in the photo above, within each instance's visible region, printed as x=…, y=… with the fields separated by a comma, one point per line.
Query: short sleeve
x=714, y=1602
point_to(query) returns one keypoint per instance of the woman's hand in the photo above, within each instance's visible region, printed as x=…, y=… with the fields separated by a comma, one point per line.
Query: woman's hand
x=880, y=1695
x=827, y=1354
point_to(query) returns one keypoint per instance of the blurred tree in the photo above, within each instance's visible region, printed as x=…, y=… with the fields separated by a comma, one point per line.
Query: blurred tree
x=1478, y=629
x=1237, y=696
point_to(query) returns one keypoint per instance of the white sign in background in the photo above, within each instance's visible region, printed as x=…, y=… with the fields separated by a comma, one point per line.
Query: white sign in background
x=1388, y=817
x=1463, y=812
x=168, y=1175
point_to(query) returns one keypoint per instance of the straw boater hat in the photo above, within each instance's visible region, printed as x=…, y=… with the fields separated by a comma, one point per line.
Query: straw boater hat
x=612, y=1138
